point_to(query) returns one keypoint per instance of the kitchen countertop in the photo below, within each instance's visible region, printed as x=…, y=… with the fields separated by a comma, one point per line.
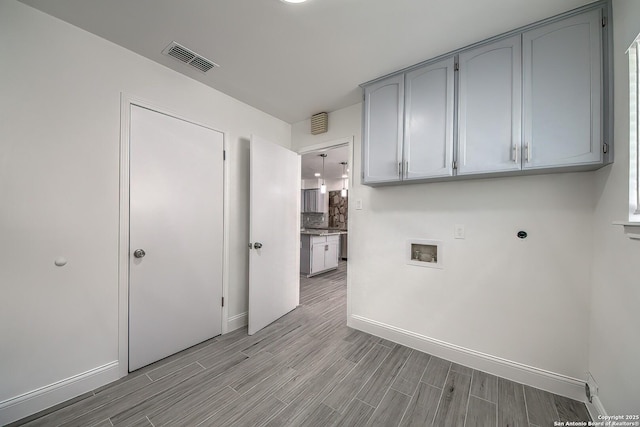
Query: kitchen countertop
x=322, y=231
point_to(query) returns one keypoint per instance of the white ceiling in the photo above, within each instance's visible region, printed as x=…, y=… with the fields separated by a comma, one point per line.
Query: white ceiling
x=312, y=163
x=295, y=60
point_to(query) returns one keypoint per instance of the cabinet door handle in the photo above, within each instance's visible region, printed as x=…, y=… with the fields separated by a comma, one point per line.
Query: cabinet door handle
x=326, y=247
x=400, y=169
x=406, y=169
x=515, y=153
x=527, y=151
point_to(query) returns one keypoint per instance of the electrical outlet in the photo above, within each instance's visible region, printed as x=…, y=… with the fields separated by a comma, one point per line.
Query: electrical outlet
x=359, y=204
x=458, y=231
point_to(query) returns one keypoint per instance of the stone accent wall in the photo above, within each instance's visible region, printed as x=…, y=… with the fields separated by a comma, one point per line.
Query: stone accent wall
x=338, y=215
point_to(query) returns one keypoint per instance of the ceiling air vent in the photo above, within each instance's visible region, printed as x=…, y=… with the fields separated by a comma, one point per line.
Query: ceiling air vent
x=319, y=123
x=189, y=57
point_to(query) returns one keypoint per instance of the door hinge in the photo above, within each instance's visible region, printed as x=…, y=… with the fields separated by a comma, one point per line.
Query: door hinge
x=223, y=301
x=605, y=147
x=604, y=21
x=224, y=155
x=456, y=67
x=455, y=164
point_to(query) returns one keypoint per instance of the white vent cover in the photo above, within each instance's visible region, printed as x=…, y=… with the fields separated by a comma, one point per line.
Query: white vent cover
x=189, y=57
x=319, y=123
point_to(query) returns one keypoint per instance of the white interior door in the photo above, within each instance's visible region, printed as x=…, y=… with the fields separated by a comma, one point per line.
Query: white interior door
x=274, y=260
x=176, y=218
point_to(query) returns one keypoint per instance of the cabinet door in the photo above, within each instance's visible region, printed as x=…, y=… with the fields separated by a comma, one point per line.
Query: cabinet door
x=489, y=109
x=562, y=99
x=428, y=140
x=331, y=255
x=317, y=257
x=383, y=112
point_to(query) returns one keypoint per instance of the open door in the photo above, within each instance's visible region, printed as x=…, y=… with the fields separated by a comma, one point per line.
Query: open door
x=274, y=260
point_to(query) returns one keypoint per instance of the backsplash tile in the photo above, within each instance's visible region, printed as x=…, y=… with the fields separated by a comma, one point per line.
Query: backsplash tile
x=314, y=220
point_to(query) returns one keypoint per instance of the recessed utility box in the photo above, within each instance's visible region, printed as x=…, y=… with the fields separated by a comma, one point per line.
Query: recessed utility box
x=424, y=253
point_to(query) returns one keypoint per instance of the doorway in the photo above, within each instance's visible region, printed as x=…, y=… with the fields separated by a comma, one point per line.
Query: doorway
x=324, y=208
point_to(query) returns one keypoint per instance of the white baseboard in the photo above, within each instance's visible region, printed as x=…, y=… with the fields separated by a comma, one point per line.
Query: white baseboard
x=236, y=322
x=34, y=401
x=518, y=372
x=596, y=409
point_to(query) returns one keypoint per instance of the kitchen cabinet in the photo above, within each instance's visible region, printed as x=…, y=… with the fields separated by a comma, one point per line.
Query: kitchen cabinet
x=408, y=130
x=428, y=134
x=383, y=130
x=534, y=100
x=313, y=201
x=489, y=108
x=562, y=64
x=318, y=253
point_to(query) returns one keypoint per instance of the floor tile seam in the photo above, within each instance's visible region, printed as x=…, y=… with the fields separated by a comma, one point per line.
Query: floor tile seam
x=482, y=398
x=466, y=411
x=435, y=414
x=396, y=376
x=152, y=424
x=372, y=374
x=220, y=408
x=526, y=406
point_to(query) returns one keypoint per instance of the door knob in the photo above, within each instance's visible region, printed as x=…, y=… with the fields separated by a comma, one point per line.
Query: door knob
x=139, y=253
x=257, y=245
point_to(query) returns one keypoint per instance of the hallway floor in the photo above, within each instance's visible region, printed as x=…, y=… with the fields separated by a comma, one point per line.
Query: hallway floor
x=309, y=369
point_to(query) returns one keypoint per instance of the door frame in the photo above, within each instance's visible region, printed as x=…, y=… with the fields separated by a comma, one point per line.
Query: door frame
x=346, y=141
x=126, y=101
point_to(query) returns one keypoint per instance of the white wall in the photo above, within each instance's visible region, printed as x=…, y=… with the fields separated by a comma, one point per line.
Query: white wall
x=614, y=340
x=525, y=301
x=59, y=160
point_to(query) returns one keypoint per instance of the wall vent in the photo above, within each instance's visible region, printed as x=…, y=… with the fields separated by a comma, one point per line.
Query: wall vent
x=319, y=123
x=189, y=57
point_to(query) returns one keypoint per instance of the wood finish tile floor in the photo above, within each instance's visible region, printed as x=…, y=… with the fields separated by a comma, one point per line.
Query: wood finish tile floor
x=309, y=369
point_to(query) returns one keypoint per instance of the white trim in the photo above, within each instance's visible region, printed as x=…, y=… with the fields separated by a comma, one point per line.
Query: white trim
x=515, y=371
x=236, y=322
x=631, y=229
x=596, y=410
x=126, y=101
x=334, y=143
x=34, y=401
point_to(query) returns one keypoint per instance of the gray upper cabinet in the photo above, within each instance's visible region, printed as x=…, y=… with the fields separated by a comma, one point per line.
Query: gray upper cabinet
x=562, y=76
x=535, y=100
x=383, y=130
x=428, y=132
x=489, y=108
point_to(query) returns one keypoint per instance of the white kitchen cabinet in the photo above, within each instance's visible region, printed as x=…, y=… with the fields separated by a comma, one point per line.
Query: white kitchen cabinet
x=318, y=253
x=489, y=108
x=428, y=134
x=383, y=130
x=562, y=82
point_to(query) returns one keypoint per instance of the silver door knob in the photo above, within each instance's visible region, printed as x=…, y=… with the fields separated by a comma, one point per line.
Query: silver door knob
x=139, y=253
x=257, y=245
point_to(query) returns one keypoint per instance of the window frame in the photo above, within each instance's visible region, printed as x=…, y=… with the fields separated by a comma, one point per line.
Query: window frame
x=634, y=130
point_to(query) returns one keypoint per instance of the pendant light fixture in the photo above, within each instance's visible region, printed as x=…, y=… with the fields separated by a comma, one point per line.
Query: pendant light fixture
x=323, y=187
x=343, y=192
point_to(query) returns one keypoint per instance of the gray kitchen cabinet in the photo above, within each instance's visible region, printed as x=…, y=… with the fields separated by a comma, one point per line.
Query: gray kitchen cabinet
x=489, y=108
x=313, y=201
x=428, y=133
x=383, y=130
x=534, y=100
x=562, y=75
